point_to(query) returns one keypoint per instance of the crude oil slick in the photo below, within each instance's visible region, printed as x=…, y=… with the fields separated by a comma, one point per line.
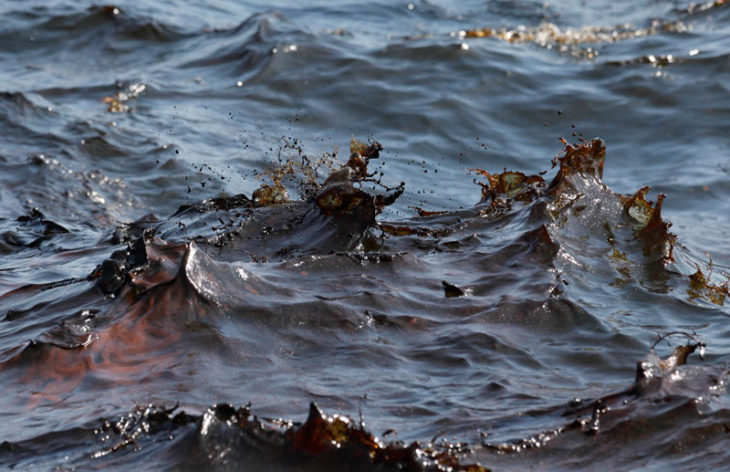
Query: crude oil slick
x=198, y=272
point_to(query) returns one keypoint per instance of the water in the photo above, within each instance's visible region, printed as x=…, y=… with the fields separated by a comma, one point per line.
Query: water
x=471, y=330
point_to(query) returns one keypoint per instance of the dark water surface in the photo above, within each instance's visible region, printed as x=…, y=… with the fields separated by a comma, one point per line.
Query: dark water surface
x=496, y=318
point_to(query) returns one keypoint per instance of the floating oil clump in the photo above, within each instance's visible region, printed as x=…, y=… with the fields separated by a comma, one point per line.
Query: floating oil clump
x=649, y=225
x=509, y=185
x=657, y=380
x=119, y=102
x=225, y=438
x=700, y=286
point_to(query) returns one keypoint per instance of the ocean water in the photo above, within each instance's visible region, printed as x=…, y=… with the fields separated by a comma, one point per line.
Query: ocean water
x=188, y=261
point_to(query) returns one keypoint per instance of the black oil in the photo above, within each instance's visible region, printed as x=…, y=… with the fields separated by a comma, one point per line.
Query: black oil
x=278, y=236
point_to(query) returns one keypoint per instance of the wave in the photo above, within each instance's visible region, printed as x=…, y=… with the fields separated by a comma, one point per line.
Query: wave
x=250, y=277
